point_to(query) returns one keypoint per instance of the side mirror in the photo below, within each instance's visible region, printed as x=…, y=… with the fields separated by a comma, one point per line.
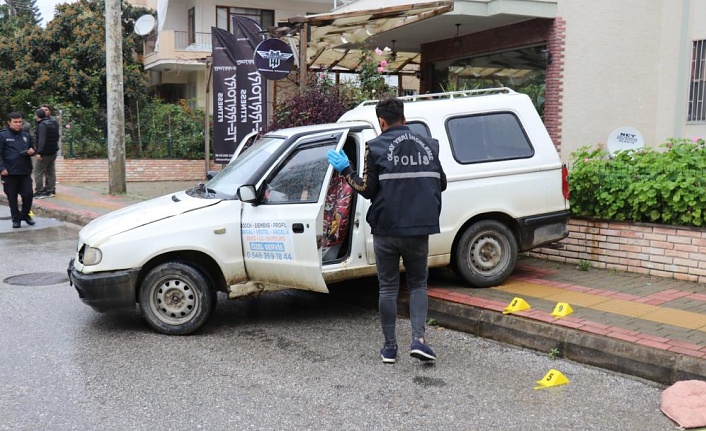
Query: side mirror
x=247, y=193
x=211, y=174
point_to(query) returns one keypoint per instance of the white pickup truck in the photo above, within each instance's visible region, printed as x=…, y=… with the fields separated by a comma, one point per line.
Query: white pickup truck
x=278, y=216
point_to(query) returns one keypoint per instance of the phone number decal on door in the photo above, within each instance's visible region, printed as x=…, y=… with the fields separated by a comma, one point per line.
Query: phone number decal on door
x=267, y=241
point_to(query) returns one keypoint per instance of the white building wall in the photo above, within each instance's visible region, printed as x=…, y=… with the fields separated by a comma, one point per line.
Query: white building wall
x=177, y=12
x=611, y=69
x=670, y=103
x=627, y=64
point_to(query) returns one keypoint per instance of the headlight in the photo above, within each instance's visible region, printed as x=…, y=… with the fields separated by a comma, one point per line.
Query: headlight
x=91, y=256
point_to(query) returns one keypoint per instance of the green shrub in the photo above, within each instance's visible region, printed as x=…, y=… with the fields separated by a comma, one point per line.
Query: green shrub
x=644, y=185
x=157, y=130
x=84, y=131
x=166, y=130
x=319, y=103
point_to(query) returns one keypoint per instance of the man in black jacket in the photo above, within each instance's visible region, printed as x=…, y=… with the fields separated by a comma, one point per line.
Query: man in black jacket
x=47, y=141
x=16, y=168
x=404, y=179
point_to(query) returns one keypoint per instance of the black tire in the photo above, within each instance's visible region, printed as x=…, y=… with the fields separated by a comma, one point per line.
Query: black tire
x=486, y=254
x=176, y=299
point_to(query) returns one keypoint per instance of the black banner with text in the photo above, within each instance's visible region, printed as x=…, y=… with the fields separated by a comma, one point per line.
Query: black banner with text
x=239, y=91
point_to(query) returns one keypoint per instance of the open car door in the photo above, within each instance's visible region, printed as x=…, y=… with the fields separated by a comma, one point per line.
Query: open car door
x=283, y=231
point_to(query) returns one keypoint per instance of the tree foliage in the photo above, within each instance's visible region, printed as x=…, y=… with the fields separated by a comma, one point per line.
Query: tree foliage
x=17, y=13
x=320, y=103
x=64, y=66
x=324, y=102
x=65, y=63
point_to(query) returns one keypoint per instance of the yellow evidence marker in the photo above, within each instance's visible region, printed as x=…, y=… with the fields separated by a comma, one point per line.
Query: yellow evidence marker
x=553, y=378
x=562, y=309
x=517, y=304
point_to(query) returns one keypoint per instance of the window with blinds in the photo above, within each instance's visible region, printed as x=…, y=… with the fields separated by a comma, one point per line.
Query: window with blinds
x=697, y=84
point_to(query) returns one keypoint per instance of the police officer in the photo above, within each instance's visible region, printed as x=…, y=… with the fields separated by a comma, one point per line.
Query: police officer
x=404, y=179
x=16, y=149
x=47, y=142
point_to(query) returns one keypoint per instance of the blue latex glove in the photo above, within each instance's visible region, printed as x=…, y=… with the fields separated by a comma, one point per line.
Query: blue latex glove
x=338, y=160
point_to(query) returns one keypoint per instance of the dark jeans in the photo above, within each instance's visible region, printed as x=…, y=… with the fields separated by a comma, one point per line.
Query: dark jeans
x=45, y=168
x=21, y=185
x=414, y=251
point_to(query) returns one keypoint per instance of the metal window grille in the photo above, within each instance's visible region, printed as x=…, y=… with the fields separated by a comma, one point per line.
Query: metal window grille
x=697, y=84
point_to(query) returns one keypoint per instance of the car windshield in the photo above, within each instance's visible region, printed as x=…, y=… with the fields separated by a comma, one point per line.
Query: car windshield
x=225, y=184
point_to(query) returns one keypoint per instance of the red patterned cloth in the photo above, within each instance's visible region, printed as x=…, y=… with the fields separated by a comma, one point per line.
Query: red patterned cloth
x=337, y=209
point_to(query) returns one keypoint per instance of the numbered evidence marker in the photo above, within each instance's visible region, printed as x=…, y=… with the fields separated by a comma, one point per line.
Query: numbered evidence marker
x=553, y=378
x=517, y=304
x=562, y=309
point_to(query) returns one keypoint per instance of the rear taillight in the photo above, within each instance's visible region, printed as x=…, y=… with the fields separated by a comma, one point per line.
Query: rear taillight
x=565, y=181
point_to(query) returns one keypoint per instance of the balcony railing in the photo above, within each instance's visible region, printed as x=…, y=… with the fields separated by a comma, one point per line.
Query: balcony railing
x=183, y=41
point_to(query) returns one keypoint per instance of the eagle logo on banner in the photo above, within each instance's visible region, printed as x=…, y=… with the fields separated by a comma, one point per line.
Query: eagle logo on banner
x=275, y=57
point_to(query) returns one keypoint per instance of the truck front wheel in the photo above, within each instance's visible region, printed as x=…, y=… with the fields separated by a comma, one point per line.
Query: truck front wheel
x=176, y=299
x=486, y=254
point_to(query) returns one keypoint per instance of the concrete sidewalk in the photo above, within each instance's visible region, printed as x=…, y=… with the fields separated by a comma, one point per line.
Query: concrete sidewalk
x=649, y=327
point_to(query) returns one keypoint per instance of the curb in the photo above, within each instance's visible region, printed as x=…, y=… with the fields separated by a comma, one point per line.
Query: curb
x=611, y=354
x=58, y=213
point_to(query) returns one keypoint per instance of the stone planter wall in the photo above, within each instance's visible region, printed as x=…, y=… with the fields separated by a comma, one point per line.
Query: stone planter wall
x=659, y=250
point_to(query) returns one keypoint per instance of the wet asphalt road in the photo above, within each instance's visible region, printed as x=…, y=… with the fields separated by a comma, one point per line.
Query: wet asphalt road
x=285, y=361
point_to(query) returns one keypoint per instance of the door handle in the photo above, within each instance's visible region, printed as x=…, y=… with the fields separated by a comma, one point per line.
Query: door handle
x=298, y=228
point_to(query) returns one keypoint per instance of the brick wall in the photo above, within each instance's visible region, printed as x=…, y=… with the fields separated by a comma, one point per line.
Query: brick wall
x=653, y=249
x=96, y=170
x=554, y=90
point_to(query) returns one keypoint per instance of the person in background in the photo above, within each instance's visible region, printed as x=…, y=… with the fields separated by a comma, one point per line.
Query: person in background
x=403, y=178
x=47, y=142
x=47, y=110
x=26, y=126
x=16, y=149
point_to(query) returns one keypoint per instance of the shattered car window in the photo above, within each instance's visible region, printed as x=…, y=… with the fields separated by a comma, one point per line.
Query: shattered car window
x=300, y=178
x=242, y=169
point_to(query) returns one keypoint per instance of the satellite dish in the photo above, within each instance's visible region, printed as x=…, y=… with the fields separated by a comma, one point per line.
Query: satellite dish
x=144, y=25
x=624, y=138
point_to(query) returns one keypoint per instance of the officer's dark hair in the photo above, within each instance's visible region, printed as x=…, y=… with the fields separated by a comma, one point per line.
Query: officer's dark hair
x=14, y=115
x=390, y=109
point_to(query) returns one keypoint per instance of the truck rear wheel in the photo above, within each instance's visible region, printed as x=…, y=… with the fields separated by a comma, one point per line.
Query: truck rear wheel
x=486, y=254
x=176, y=299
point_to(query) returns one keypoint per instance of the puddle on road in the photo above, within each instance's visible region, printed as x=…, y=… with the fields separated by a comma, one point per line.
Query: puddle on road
x=37, y=279
x=429, y=382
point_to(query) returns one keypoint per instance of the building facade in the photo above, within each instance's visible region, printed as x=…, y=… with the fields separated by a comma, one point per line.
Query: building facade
x=591, y=67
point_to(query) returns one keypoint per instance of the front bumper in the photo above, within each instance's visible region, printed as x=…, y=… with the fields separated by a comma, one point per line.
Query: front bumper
x=106, y=290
